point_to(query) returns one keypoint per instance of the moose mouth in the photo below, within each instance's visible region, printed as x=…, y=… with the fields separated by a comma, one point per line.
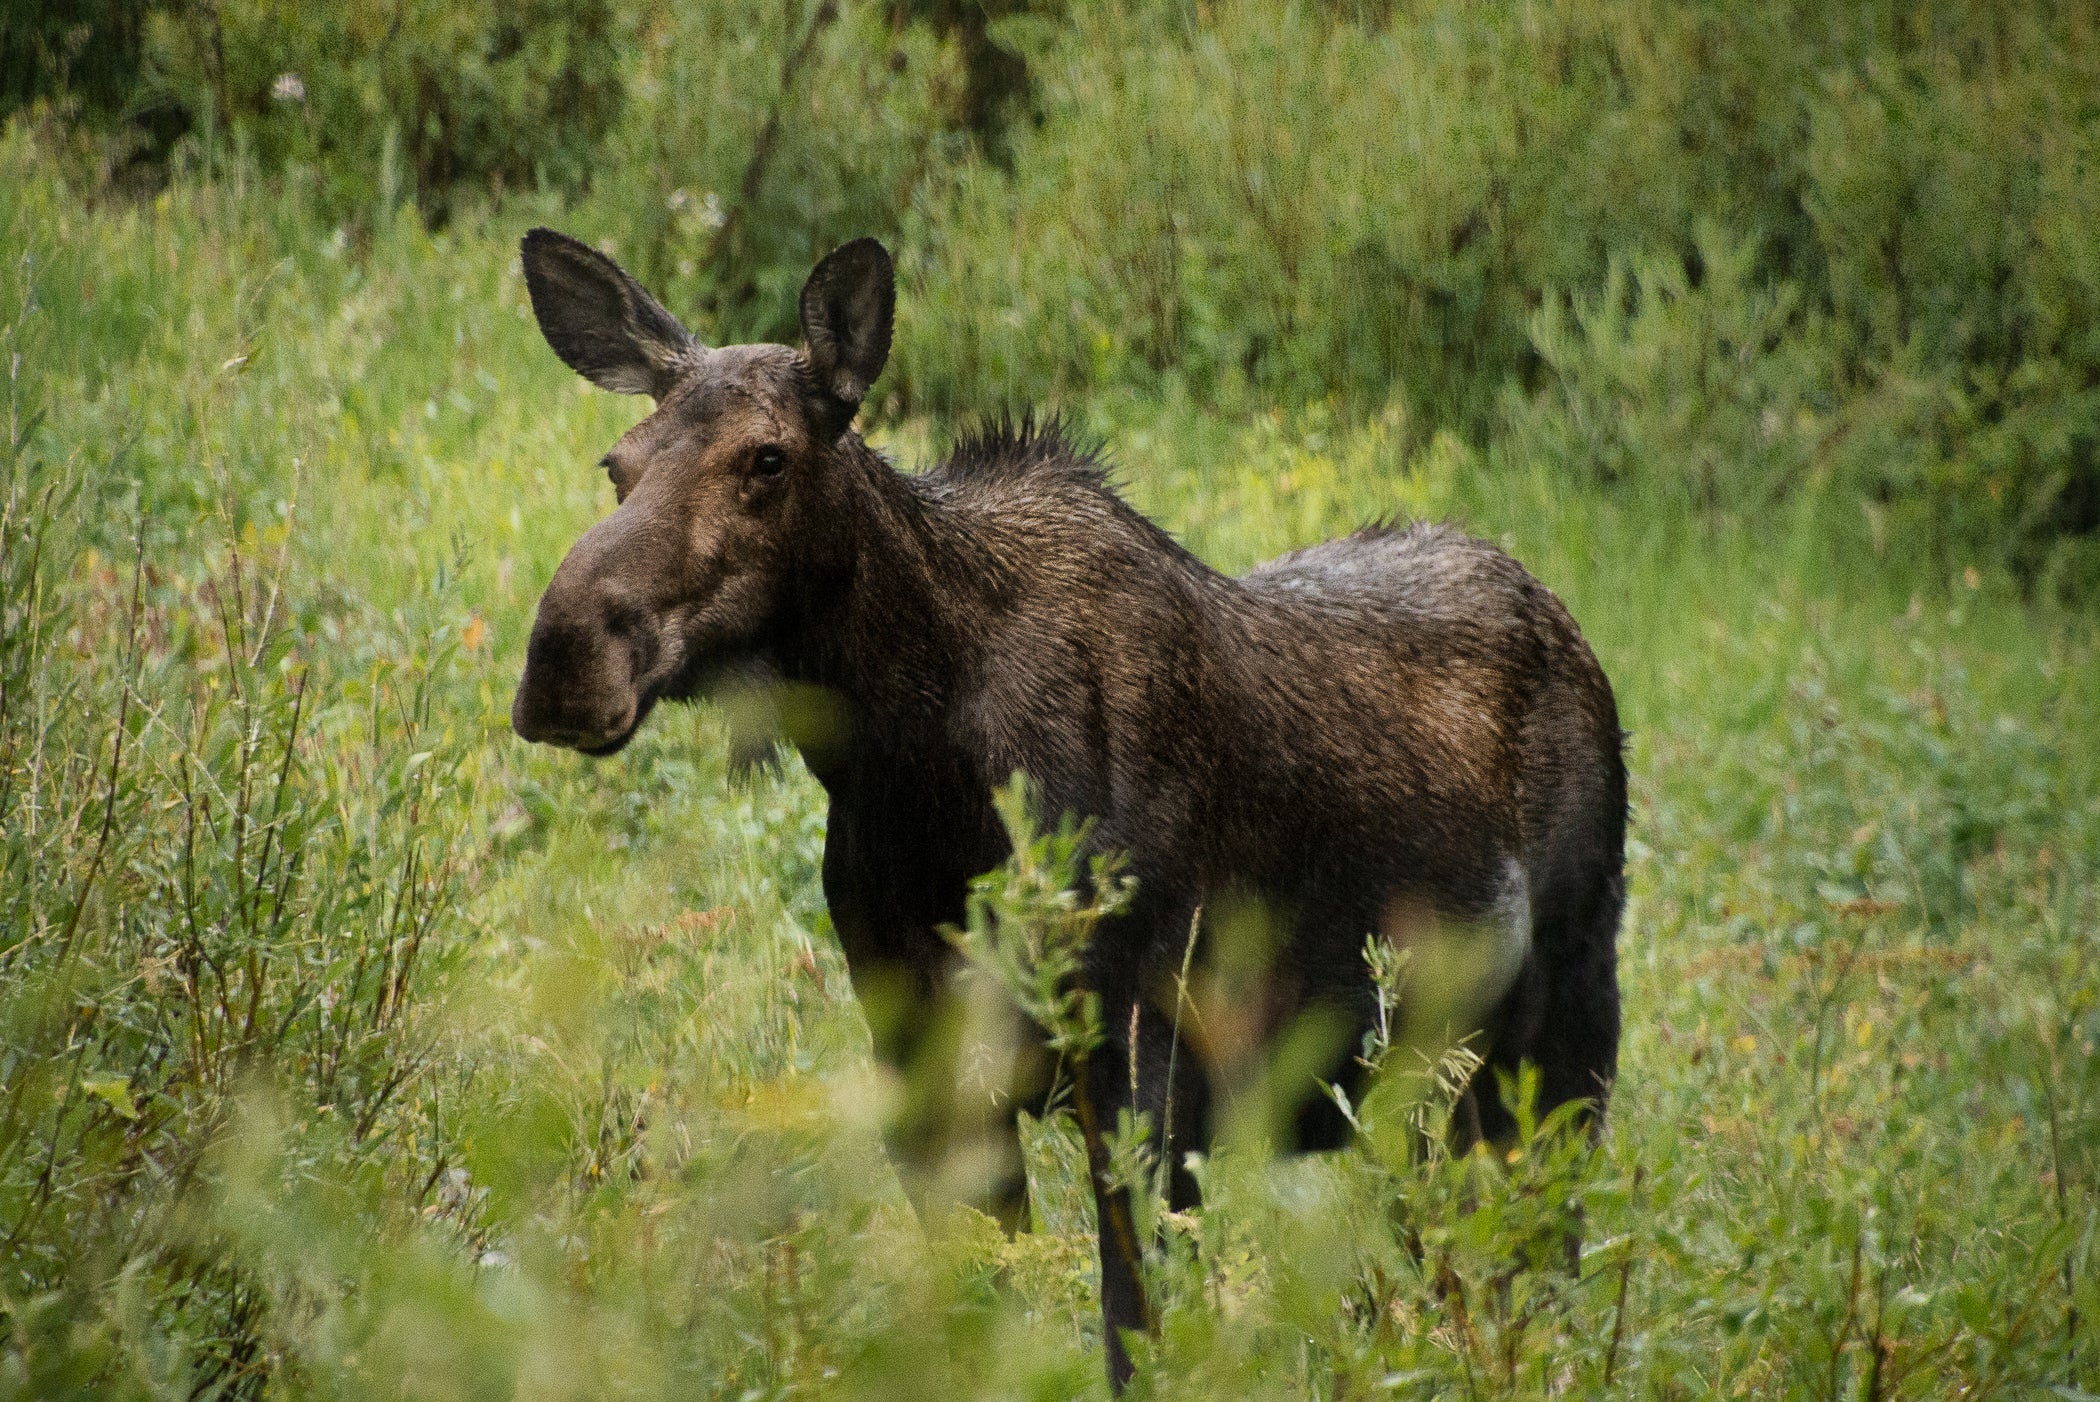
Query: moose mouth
x=530, y=720
x=715, y=678
x=605, y=749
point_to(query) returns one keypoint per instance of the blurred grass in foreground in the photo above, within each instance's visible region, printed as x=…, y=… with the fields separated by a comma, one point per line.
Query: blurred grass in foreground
x=349, y=1047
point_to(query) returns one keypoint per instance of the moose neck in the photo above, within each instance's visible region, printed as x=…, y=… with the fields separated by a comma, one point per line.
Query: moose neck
x=888, y=631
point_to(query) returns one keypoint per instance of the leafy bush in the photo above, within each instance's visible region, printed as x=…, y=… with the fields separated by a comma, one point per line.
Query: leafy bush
x=756, y=139
x=227, y=869
x=414, y=100
x=88, y=50
x=1722, y=392
x=1370, y=203
x=1408, y=203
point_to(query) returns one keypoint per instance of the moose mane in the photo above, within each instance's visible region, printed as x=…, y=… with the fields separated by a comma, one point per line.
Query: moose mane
x=1009, y=451
x=1038, y=469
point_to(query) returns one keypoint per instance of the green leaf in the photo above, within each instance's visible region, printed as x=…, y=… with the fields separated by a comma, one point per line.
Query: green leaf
x=113, y=1091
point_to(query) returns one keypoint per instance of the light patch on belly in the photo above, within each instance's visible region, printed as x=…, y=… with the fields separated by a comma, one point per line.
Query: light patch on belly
x=1458, y=968
x=1510, y=924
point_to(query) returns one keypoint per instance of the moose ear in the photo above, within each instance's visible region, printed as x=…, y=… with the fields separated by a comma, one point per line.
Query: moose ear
x=849, y=305
x=599, y=320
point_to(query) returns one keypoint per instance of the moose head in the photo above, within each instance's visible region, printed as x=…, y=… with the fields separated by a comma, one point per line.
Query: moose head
x=731, y=493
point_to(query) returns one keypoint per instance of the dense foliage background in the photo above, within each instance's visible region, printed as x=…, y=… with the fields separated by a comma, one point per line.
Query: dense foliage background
x=1752, y=249
x=349, y=1047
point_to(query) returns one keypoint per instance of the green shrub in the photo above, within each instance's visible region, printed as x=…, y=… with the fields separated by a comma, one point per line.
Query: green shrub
x=88, y=50
x=1722, y=393
x=1408, y=204
x=1370, y=203
x=229, y=864
x=759, y=137
x=376, y=104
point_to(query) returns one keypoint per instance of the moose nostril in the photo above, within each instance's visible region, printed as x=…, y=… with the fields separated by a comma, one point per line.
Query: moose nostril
x=624, y=621
x=629, y=627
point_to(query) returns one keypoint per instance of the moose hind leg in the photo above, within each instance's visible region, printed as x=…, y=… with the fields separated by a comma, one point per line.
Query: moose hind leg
x=1560, y=1013
x=1507, y=1039
x=1577, y=1043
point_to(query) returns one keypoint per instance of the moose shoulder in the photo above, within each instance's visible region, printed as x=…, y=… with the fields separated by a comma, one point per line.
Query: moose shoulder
x=1395, y=723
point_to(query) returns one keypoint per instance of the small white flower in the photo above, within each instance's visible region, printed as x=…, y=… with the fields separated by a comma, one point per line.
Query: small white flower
x=289, y=87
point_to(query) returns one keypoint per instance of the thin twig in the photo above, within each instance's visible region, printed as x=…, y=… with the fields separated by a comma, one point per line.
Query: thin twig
x=1618, y=1314
x=116, y=759
x=2063, y=1205
x=1181, y=997
x=284, y=553
x=1837, y=1345
x=719, y=249
x=1879, y=1344
x=1114, y=1202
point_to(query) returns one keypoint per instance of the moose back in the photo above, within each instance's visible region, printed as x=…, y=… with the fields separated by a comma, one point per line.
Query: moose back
x=1394, y=723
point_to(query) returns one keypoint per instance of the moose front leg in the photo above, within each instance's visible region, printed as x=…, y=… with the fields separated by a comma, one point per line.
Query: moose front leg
x=965, y=1064
x=1135, y=1069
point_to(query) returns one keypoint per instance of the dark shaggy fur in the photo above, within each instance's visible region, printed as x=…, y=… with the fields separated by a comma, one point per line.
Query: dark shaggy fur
x=1383, y=734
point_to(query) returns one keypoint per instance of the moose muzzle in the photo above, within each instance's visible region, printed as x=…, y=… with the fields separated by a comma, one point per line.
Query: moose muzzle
x=584, y=664
x=578, y=688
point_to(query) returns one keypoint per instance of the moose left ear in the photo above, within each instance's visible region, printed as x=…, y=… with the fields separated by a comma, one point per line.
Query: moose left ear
x=849, y=306
x=599, y=320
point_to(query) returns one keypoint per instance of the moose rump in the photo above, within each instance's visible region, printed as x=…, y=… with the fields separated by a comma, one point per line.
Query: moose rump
x=1394, y=727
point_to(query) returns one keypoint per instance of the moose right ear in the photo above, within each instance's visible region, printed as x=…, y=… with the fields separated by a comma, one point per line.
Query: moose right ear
x=601, y=322
x=849, y=305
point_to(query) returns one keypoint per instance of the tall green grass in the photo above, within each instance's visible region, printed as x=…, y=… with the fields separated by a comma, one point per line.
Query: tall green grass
x=1739, y=250
x=350, y=1047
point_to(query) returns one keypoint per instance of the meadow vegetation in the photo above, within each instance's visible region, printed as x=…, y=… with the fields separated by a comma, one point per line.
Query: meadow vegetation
x=350, y=1047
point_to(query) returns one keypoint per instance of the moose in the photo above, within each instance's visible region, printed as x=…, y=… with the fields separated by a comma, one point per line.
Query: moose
x=1394, y=722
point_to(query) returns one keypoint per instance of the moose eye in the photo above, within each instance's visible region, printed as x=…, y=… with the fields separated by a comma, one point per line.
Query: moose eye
x=768, y=461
